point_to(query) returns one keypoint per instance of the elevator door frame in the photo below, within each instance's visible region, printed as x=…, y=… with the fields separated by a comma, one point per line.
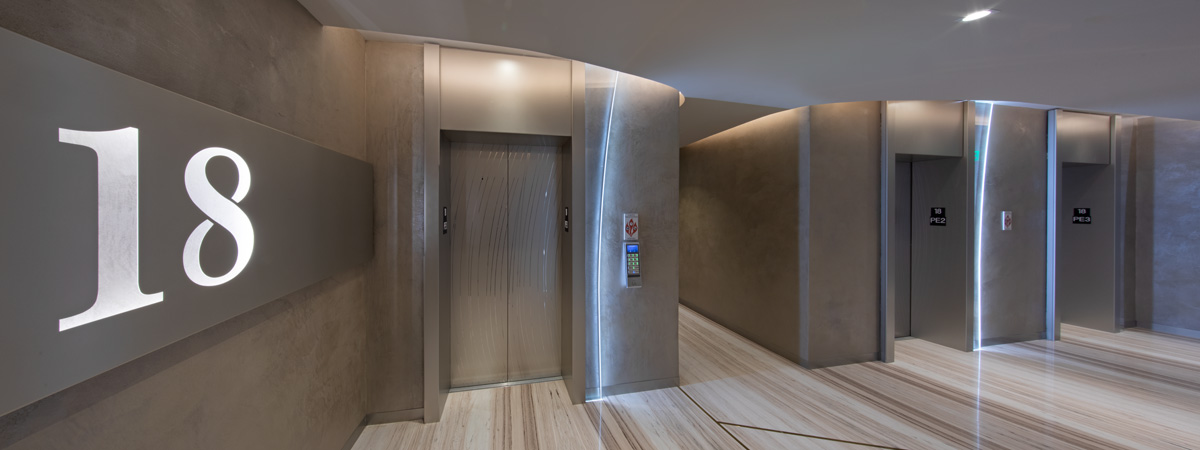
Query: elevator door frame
x=890, y=154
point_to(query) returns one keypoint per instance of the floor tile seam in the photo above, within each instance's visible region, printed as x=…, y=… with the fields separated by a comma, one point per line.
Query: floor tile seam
x=713, y=419
x=810, y=436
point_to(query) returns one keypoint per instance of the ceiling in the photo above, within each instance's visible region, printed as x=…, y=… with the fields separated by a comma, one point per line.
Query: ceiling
x=1122, y=56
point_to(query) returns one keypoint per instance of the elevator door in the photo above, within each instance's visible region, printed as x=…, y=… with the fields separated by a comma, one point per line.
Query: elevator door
x=504, y=241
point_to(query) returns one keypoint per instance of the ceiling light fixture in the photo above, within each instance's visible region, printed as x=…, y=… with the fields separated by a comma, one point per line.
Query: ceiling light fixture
x=977, y=15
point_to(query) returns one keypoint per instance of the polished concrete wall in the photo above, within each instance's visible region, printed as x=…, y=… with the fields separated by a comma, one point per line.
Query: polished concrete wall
x=1168, y=252
x=739, y=213
x=1013, y=263
x=780, y=235
x=632, y=160
x=841, y=303
x=287, y=375
x=394, y=77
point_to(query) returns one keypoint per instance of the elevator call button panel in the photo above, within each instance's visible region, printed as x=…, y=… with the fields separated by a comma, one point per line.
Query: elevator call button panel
x=633, y=265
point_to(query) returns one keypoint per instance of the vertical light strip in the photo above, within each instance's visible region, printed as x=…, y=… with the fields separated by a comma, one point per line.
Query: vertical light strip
x=979, y=221
x=1051, y=223
x=612, y=102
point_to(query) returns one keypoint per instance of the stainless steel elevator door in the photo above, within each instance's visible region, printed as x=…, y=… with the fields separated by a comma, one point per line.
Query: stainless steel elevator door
x=504, y=240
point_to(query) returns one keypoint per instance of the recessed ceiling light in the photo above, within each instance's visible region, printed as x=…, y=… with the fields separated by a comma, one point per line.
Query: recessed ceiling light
x=977, y=15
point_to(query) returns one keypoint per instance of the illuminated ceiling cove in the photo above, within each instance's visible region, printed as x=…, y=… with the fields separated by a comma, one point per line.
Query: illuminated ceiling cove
x=1124, y=56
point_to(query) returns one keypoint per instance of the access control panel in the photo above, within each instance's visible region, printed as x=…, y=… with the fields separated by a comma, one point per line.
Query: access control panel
x=633, y=267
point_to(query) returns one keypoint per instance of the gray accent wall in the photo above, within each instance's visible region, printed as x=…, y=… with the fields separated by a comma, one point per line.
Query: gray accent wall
x=1168, y=248
x=289, y=374
x=1013, y=263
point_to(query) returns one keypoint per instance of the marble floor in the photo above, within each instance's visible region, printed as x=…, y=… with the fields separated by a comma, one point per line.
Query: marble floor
x=1135, y=389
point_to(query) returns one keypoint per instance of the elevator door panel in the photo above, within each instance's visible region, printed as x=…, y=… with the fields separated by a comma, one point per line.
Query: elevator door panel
x=479, y=264
x=533, y=314
x=504, y=303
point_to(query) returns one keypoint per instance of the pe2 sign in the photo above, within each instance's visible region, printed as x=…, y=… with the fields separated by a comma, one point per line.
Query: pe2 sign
x=119, y=288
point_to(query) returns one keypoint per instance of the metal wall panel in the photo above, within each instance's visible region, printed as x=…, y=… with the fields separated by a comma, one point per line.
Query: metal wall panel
x=1083, y=138
x=534, y=180
x=1013, y=263
x=479, y=261
x=494, y=92
x=925, y=128
x=633, y=167
x=903, y=208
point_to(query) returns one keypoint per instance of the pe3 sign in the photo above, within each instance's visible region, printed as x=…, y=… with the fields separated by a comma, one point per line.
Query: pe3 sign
x=119, y=289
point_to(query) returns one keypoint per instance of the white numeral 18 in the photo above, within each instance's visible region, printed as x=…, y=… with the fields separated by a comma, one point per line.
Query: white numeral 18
x=119, y=290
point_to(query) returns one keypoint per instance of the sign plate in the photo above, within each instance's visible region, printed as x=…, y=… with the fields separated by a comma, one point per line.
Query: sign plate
x=1081, y=216
x=937, y=217
x=630, y=226
x=135, y=217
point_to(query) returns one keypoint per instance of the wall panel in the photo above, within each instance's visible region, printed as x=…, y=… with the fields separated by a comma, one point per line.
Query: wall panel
x=288, y=374
x=1013, y=263
x=739, y=236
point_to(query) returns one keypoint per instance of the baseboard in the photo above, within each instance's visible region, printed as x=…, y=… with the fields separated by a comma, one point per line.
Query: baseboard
x=405, y=415
x=1000, y=340
x=1185, y=332
x=840, y=361
x=640, y=386
x=353, y=439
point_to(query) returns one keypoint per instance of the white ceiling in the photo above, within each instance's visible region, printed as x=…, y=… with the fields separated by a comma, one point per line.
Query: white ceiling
x=1122, y=56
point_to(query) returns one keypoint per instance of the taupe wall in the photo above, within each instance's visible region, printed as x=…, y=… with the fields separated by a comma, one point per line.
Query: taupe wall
x=842, y=301
x=739, y=230
x=1168, y=251
x=780, y=231
x=395, y=80
x=290, y=374
x=1013, y=263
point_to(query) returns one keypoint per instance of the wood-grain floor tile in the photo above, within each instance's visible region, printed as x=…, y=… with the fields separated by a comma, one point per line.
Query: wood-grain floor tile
x=755, y=439
x=540, y=416
x=1134, y=389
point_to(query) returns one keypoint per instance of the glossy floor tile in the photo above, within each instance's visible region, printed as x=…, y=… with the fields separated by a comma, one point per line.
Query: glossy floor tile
x=1091, y=390
x=540, y=416
x=1135, y=389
